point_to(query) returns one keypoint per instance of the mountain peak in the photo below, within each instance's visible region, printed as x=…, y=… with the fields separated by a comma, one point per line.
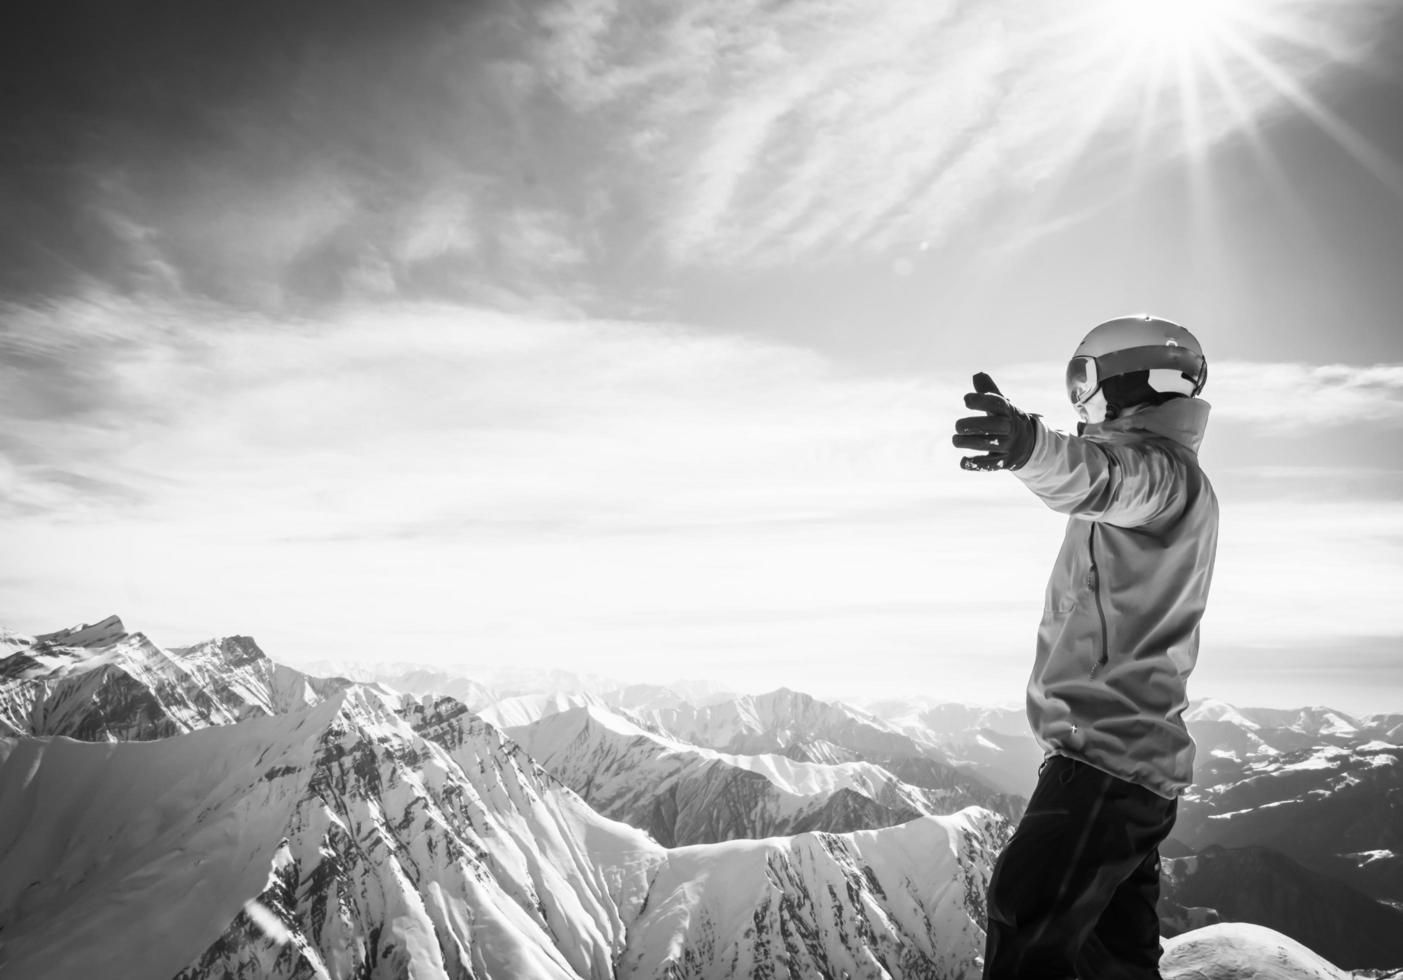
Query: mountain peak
x=100, y=634
x=231, y=651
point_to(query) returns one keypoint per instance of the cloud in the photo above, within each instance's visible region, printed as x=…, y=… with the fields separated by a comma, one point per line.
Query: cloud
x=427, y=413
x=528, y=485
x=397, y=419
x=283, y=162
x=778, y=131
x=1286, y=396
x=478, y=153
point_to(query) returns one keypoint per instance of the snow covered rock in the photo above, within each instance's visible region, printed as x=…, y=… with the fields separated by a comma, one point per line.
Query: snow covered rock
x=361, y=837
x=129, y=688
x=330, y=841
x=1239, y=951
x=902, y=902
x=103, y=633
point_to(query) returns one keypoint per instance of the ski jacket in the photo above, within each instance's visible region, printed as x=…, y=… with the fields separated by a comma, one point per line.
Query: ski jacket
x=1120, y=625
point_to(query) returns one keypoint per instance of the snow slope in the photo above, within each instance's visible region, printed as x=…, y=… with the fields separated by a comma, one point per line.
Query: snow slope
x=683, y=794
x=902, y=902
x=140, y=853
x=1239, y=951
x=369, y=849
x=360, y=838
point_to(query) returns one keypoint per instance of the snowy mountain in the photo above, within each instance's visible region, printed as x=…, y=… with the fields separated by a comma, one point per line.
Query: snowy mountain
x=103, y=633
x=284, y=826
x=475, y=685
x=921, y=743
x=330, y=841
x=103, y=683
x=644, y=697
x=377, y=836
x=932, y=717
x=1317, y=785
x=788, y=723
x=683, y=794
x=994, y=743
x=902, y=902
x=410, y=679
x=527, y=709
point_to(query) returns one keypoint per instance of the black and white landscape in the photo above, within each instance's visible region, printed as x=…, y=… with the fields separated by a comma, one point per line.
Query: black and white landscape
x=209, y=812
x=562, y=392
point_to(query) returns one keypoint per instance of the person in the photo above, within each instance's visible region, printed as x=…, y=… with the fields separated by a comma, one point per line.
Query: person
x=1074, y=891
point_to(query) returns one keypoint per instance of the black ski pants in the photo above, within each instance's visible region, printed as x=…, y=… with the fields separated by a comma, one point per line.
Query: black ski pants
x=1073, y=893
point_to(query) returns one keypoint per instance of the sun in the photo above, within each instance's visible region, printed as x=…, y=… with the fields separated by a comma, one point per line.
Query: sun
x=1154, y=85
x=1179, y=28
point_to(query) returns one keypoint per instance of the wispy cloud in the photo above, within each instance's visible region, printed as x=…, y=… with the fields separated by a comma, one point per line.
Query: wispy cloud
x=280, y=161
x=1284, y=396
x=426, y=413
x=475, y=153
x=774, y=131
x=536, y=484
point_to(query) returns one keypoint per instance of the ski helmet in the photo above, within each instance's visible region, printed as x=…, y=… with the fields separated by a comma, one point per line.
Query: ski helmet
x=1171, y=356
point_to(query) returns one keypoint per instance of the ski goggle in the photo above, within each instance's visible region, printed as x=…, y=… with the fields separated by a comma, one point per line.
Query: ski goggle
x=1085, y=373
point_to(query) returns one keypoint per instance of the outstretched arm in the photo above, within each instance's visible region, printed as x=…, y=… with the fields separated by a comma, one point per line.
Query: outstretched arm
x=1126, y=485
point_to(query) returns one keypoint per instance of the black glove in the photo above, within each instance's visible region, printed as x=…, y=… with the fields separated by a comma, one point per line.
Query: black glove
x=1004, y=434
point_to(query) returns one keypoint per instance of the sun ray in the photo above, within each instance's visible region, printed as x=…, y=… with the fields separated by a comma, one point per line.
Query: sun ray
x=1347, y=137
x=1245, y=123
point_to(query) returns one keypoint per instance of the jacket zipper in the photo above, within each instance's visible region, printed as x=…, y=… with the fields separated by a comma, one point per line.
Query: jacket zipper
x=1095, y=578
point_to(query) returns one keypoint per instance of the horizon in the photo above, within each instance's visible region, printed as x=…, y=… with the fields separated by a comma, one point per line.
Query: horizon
x=633, y=341
x=600, y=683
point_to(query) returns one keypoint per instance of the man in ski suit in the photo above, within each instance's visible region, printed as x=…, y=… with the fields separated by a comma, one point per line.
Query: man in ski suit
x=1074, y=891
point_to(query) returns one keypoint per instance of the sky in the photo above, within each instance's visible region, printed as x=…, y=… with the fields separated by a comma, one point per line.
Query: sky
x=627, y=338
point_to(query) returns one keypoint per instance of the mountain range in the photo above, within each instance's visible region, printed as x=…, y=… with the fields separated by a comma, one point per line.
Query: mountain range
x=383, y=835
x=206, y=812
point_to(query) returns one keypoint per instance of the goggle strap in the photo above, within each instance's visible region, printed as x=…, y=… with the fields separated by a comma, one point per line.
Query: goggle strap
x=1154, y=357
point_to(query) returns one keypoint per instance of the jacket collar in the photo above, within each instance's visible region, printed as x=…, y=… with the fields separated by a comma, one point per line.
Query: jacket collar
x=1181, y=419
